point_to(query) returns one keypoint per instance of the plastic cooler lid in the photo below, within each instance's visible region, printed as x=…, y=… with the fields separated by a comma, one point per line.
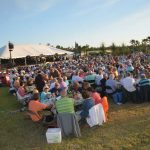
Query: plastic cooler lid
x=53, y=130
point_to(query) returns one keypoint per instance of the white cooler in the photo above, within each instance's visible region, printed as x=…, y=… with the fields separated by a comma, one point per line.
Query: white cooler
x=53, y=135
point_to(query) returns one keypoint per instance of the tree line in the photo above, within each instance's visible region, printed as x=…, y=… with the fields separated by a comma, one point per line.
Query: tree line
x=135, y=46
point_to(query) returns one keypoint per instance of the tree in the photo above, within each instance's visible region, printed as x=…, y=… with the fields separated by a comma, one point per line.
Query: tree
x=144, y=44
x=113, y=48
x=133, y=44
x=58, y=46
x=102, y=48
x=48, y=44
x=85, y=49
x=148, y=38
x=137, y=45
x=124, y=50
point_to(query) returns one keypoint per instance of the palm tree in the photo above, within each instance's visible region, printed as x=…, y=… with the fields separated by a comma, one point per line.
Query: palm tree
x=148, y=38
x=144, y=44
x=144, y=41
x=137, y=43
x=132, y=42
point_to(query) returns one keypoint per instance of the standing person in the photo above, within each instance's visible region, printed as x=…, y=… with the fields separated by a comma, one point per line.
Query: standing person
x=39, y=82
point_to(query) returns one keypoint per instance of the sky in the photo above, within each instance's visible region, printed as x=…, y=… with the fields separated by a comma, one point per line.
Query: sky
x=64, y=22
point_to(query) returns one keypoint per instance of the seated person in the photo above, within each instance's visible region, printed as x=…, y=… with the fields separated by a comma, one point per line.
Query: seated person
x=129, y=89
x=35, y=106
x=85, y=85
x=56, y=90
x=66, y=118
x=45, y=97
x=52, y=83
x=66, y=81
x=144, y=90
x=111, y=82
x=76, y=78
x=62, y=83
x=103, y=84
x=22, y=93
x=95, y=95
x=76, y=91
x=65, y=104
x=111, y=89
x=90, y=76
x=12, y=89
x=99, y=77
x=30, y=86
x=17, y=83
x=105, y=106
x=87, y=104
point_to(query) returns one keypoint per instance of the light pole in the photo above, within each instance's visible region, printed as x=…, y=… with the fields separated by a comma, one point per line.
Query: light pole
x=11, y=47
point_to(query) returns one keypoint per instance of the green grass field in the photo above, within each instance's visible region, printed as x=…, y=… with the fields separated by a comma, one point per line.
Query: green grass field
x=128, y=128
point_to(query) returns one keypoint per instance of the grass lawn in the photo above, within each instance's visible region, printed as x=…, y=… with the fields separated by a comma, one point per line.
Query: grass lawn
x=128, y=127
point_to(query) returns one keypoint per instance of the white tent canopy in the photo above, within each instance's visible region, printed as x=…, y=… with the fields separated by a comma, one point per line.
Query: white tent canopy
x=21, y=51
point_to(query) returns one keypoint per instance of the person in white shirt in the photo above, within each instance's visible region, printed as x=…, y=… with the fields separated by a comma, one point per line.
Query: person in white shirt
x=76, y=78
x=129, y=90
x=99, y=77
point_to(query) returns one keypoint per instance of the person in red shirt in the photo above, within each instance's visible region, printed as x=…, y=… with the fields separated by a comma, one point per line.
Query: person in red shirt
x=95, y=95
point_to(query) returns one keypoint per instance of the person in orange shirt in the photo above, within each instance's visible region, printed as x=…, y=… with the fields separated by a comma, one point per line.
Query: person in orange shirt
x=35, y=107
x=105, y=105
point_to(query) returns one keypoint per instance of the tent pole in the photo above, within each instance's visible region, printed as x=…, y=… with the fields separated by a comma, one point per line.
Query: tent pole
x=36, y=60
x=0, y=63
x=13, y=62
x=25, y=61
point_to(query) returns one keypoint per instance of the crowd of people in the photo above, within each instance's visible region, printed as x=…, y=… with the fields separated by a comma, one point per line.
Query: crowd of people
x=76, y=85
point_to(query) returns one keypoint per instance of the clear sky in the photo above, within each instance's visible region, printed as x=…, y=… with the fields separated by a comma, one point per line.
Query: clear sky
x=65, y=21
